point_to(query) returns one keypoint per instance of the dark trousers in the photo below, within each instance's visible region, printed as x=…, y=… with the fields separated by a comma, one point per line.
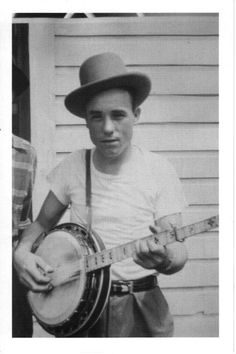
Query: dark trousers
x=141, y=314
x=22, y=323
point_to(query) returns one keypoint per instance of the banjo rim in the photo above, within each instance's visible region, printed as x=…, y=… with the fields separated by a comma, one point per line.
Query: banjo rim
x=72, y=306
x=78, y=320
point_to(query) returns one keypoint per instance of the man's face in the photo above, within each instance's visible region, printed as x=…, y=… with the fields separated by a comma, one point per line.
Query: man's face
x=110, y=120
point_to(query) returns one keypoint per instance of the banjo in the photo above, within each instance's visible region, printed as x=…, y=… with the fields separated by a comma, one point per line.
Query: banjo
x=81, y=277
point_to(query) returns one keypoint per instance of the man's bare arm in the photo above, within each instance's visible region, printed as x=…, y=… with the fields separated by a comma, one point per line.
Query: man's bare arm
x=31, y=269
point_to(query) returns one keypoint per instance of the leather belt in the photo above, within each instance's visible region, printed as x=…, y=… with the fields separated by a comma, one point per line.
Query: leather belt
x=122, y=287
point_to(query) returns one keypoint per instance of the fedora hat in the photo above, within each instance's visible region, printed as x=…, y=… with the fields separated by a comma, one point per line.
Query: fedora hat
x=19, y=80
x=102, y=72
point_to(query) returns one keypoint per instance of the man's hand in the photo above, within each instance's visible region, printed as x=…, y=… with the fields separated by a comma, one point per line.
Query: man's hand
x=33, y=272
x=167, y=259
x=151, y=255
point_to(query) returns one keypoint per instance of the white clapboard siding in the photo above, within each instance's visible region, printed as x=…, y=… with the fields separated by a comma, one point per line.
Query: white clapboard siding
x=187, y=301
x=197, y=325
x=179, y=120
x=190, y=80
x=171, y=24
x=159, y=109
x=195, y=164
x=177, y=137
x=196, y=213
x=141, y=50
x=201, y=191
x=152, y=137
x=195, y=273
x=203, y=246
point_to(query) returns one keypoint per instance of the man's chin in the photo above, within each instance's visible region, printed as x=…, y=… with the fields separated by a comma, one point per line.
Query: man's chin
x=111, y=153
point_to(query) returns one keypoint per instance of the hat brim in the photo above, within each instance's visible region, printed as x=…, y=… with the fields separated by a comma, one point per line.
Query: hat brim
x=137, y=83
x=19, y=80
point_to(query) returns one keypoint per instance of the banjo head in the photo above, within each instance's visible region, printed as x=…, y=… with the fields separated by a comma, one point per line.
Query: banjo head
x=62, y=251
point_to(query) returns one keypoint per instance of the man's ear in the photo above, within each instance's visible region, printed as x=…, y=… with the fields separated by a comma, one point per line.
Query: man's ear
x=137, y=113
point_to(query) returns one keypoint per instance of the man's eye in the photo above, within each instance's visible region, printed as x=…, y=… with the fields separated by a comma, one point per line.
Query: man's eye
x=119, y=115
x=95, y=118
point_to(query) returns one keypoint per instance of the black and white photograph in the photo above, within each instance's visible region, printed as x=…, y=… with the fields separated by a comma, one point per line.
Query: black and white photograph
x=115, y=176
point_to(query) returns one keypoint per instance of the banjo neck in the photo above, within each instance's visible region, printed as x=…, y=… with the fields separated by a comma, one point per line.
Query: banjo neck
x=119, y=253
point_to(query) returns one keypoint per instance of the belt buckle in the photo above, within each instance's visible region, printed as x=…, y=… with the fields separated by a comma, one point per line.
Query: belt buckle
x=130, y=287
x=126, y=287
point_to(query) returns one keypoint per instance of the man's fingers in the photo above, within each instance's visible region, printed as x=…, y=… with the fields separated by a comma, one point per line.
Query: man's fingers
x=153, y=229
x=156, y=248
x=37, y=275
x=146, y=264
x=28, y=281
x=46, y=268
x=142, y=253
x=145, y=248
x=34, y=268
x=141, y=260
x=33, y=272
x=142, y=247
x=41, y=288
x=149, y=254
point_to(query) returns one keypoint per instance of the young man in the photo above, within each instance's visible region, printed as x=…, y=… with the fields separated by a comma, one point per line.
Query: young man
x=23, y=174
x=132, y=190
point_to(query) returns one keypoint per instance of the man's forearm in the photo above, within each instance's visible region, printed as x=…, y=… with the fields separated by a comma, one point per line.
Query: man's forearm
x=30, y=235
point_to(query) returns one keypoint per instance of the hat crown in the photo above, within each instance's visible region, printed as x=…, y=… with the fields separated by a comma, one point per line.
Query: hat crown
x=102, y=72
x=100, y=67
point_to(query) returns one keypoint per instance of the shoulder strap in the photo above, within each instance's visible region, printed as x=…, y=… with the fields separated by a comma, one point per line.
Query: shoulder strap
x=88, y=188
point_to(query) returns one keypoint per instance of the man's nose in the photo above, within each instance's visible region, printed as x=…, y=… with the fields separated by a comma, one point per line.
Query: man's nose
x=108, y=126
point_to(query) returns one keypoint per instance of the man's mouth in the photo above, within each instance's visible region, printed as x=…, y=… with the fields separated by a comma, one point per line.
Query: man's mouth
x=109, y=141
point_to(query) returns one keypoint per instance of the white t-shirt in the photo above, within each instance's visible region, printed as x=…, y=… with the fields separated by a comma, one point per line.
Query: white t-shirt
x=123, y=205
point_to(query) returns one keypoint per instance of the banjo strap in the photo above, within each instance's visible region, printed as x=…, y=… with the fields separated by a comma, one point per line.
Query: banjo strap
x=88, y=186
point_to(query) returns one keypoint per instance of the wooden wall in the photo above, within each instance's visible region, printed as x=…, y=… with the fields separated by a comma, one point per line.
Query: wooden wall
x=179, y=120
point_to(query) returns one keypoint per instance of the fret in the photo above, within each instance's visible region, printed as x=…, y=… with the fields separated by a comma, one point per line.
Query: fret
x=107, y=257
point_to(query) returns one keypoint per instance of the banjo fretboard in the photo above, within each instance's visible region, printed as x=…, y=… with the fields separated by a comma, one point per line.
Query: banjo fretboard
x=109, y=256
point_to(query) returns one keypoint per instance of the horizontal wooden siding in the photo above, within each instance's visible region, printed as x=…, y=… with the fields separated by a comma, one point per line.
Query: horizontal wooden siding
x=179, y=121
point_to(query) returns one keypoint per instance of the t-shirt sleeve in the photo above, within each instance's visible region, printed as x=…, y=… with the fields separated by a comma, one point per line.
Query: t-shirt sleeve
x=170, y=197
x=58, y=179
